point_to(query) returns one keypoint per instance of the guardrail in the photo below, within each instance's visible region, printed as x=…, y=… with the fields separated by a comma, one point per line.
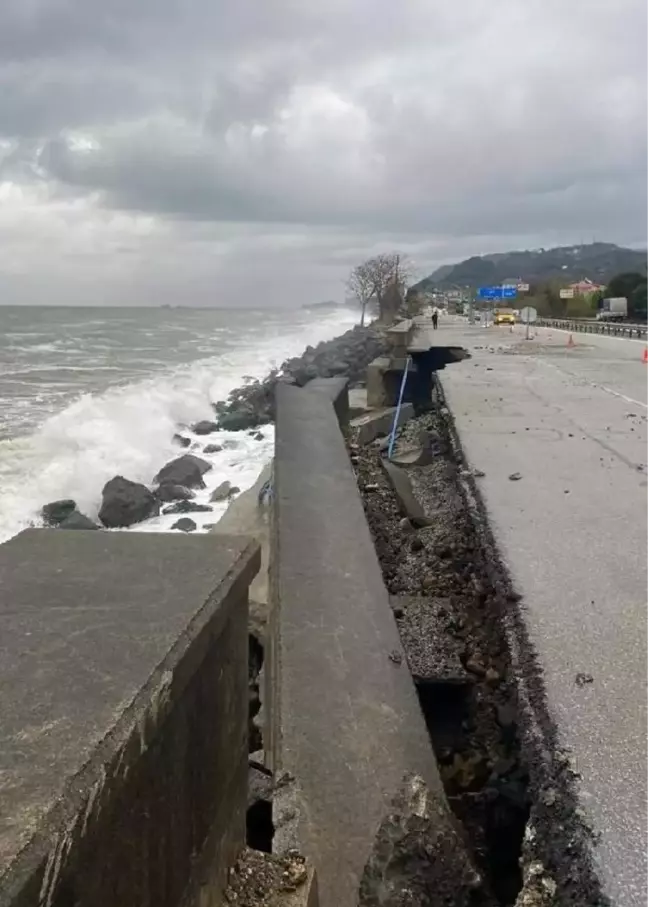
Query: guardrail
x=613, y=328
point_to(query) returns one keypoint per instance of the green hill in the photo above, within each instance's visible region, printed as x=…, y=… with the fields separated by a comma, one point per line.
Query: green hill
x=596, y=261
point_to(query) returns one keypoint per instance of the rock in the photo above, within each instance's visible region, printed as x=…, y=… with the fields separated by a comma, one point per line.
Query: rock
x=187, y=471
x=204, y=427
x=515, y=476
x=221, y=493
x=167, y=492
x=260, y=783
x=185, y=525
x=55, y=513
x=212, y=449
x=418, y=856
x=125, y=503
x=506, y=715
x=237, y=421
x=258, y=436
x=181, y=441
x=76, y=520
x=187, y=507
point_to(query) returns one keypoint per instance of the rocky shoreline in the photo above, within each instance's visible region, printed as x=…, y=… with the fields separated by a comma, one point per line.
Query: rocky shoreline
x=125, y=503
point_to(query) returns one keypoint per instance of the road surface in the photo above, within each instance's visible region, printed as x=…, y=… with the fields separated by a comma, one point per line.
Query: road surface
x=572, y=531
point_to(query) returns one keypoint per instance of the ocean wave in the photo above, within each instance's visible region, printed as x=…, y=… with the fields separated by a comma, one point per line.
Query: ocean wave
x=128, y=430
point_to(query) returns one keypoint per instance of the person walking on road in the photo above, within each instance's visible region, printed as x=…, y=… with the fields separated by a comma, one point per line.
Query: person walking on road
x=435, y=318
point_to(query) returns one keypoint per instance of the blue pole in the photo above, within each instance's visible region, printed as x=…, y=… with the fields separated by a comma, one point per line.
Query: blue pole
x=392, y=438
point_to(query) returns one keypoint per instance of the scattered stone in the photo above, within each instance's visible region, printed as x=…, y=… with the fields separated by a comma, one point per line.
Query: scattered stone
x=181, y=441
x=125, y=503
x=186, y=470
x=167, y=492
x=212, y=448
x=55, y=513
x=185, y=525
x=474, y=666
x=205, y=427
x=582, y=679
x=493, y=677
x=396, y=657
x=187, y=507
x=77, y=520
x=221, y=493
x=515, y=476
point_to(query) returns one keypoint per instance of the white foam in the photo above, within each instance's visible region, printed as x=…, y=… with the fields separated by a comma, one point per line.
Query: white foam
x=128, y=431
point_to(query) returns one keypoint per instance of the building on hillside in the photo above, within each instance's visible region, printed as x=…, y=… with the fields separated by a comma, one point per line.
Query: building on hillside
x=585, y=287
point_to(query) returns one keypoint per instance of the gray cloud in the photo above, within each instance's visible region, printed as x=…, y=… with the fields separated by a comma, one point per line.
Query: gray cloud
x=300, y=137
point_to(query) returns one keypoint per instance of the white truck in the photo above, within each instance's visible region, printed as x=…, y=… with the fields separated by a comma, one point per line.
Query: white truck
x=615, y=308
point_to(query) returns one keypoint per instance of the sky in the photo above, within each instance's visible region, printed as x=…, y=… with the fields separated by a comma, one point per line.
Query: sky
x=237, y=152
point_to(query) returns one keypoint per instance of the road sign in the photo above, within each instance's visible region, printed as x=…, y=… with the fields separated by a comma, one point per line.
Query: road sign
x=527, y=316
x=497, y=292
x=567, y=294
x=523, y=288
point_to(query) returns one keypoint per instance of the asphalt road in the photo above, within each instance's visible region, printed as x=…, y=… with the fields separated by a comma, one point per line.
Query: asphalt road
x=572, y=531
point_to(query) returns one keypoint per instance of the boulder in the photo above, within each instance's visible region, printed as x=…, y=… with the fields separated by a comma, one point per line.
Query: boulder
x=204, y=427
x=212, y=449
x=237, y=421
x=55, y=513
x=185, y=525
x=221, y=493
x=181, y=441
x=187, y=507
x=125, y=503
x=77, y=520
x=186, y=471
x=167, y=493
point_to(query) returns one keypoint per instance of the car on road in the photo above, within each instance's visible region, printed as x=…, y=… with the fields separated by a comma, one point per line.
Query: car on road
x=504, y=316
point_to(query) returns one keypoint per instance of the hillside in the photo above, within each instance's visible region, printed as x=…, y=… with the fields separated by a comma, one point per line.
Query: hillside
x=596, y=261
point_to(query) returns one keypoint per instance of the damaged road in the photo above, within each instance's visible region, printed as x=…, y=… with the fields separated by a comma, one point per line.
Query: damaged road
x=457, y=613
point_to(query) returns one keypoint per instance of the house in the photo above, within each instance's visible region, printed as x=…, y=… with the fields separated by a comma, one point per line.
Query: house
x=585, y=287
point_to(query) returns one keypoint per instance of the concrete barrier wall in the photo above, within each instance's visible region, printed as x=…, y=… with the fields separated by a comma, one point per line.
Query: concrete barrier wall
x=123, y=669
x=344, y=724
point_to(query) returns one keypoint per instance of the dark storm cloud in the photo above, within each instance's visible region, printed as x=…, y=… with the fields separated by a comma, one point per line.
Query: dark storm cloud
x=437, y=125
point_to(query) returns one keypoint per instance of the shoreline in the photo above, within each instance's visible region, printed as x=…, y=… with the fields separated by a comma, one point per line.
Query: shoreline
x=247, y=414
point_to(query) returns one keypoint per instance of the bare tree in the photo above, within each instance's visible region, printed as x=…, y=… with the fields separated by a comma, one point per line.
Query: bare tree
x=361, y=285
x=383, y=278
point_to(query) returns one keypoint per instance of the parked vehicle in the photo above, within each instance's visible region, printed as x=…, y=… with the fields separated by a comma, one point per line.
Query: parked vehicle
x=615, y=308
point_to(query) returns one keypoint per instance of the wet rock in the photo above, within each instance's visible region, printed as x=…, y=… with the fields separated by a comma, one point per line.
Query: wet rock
x=77, y=520
x=181, y=441
x=167, y=492
x=55, y=513
x=221, y=493
x=187, y=471
x=187, y=507
x=185, y=525
x=125, y=503
x=349, y=354
x=204, y=427
x=212, y=448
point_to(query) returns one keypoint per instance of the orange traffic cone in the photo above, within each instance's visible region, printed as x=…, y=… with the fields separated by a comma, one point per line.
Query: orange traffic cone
x=570, y=342
x=644, y=358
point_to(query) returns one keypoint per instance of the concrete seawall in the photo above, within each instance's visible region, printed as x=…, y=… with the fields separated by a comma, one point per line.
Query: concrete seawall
x=344, y=725
x=123, y=668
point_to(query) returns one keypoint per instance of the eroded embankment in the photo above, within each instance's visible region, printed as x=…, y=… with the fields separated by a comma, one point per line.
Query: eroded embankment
x=478, y=684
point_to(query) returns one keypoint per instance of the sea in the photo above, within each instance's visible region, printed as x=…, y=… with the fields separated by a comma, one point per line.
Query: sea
x=90, y=393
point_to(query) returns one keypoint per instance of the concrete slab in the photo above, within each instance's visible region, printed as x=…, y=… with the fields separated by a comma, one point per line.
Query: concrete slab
x=572, y=423
x=379, y=421
x=345, y=724
x=249, y=517
x=105, y=637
